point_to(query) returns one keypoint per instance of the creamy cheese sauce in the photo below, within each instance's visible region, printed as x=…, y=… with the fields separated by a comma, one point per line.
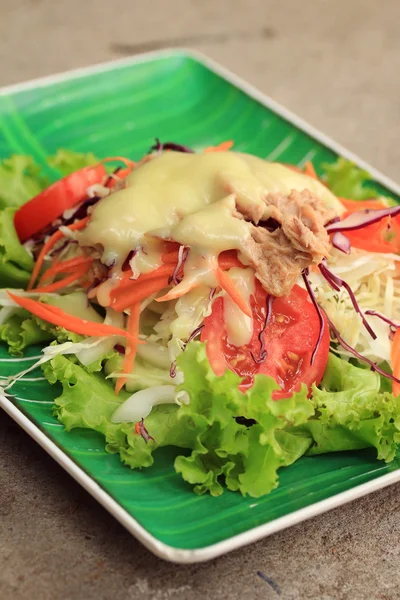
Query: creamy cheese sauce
x=173, y=194
x=239, y=326
x=191, y=199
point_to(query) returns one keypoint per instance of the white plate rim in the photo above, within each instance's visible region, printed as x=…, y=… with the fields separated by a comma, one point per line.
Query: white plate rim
x=164, y=551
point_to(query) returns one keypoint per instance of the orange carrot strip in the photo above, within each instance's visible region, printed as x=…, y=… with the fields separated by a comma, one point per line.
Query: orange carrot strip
x=127, y=162
x=177, y=292
x=138, y=292
x=66, y=266
x=355, y=205
x=170, y=257
x=56, y=316
x=137, y=428
x=224, y=147
x=53, y=239
x=395, y=360
x=167, y=269
x=131, y=345
x=129, y=285
x=229, y=287
x=62, y=283
x=309, y=170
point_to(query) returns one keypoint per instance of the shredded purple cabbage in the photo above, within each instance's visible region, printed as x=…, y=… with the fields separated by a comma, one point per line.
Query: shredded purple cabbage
x=159, y=147
x=183, y=253
x=304, y=275
x=195, y=333
x=261, y=337
x=353, y=351
x=172, y=369
x=212, y=293
x=336, y=282
x=144, y=433
x=374, y=313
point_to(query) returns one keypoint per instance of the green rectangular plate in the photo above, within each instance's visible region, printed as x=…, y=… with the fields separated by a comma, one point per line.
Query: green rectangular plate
x=118, y=109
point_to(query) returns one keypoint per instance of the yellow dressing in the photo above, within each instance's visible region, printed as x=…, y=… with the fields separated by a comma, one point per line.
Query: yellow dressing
x=239, y=326
x=172, y=195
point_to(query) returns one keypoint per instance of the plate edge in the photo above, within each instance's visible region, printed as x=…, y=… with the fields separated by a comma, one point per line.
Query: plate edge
x=153, y=544
x=181, y=555
x=214, y=66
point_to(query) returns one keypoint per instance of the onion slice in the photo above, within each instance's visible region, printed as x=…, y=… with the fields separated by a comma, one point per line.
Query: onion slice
x=362, y=218
x=341, y=242
x=143, y=432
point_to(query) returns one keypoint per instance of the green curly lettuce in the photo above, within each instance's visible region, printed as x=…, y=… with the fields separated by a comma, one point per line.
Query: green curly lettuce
x=230, y=439
x=15, y=262
x=353, y=412
x=67, y=161
x=21, y=179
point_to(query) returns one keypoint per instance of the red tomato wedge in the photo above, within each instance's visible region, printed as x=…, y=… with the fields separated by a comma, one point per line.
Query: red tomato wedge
x=383, y=236
x=50, y=204
x=290, y=338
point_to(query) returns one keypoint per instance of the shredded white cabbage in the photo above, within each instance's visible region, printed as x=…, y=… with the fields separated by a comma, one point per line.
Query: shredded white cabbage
x=375, y=282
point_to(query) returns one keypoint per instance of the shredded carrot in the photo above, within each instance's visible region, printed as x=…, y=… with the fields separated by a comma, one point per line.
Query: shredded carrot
x=131, y=345
x=170, y=257
x=127, y=162
x=309, y=170
x=224, y=147
x=355, y=205
x=127, y=285
x=229, y=287
x=137, y=428
x=395, y=362
x=167, y=269
x=66, y=281
x=138, y=292
x=67, y=266
x=177, y=292
x=53, y=239
x=56, y=316
x=383, y=236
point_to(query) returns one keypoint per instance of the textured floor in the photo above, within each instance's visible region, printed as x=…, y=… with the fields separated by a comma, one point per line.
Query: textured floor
x=335, y=64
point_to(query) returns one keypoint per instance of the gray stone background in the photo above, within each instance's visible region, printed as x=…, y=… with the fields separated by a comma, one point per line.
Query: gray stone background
x=335, y=63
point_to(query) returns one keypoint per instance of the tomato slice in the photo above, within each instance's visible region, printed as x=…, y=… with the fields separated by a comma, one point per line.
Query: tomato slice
x=50, y=204
x=289, y=339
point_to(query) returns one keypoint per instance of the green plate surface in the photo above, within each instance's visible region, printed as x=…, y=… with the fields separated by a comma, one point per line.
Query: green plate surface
x=119, y=111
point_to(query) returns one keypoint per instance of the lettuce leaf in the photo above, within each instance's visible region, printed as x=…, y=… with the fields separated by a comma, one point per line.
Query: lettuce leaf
x=67, y=161
x=234, y=440
x=24, y=329
x=353, y=412
x=245, y=457
x=347, y=180
x=21, y=331
x=20, y=180
x=15, y=262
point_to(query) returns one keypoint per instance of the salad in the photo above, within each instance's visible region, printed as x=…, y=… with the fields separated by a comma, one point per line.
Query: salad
x=243, y=311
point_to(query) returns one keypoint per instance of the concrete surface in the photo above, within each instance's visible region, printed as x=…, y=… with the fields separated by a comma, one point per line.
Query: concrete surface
x=335, y=63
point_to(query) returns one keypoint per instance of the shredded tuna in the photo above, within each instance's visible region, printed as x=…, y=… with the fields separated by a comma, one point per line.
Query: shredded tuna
x=280, y=256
